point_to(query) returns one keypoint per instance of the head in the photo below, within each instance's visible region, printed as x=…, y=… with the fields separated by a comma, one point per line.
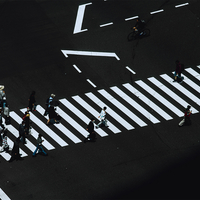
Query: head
x=92, y=119
x=104, y=108
x=33, y=93
x=188, y=107
x=53, y=95
x=40, y=135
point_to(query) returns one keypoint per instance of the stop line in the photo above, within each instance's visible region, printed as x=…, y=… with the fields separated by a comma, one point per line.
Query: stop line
x=129, y=107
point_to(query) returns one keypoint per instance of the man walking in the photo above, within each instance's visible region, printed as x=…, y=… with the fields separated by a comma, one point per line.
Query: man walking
x=22, y=132
x=186, y=120
x=39, y=146
x=102, y=117
x=48, y=101
x=90, y=128
x=15, y=155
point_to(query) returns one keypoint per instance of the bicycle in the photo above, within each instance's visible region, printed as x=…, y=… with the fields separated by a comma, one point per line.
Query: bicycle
x=135, y=34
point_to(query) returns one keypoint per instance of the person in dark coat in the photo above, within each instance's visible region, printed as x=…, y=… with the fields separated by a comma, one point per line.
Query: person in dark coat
x=90, y=128
x=177, y=73
x=22, y=132
x=52, y=116
x=15, y=155
x=31, y=100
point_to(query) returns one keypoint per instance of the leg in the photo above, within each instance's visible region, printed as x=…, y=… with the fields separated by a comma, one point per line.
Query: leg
x=42, y=150
x=34, y=153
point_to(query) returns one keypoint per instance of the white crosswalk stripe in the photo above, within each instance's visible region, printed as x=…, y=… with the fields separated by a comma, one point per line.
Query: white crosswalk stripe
x=164, y=101
x=135, y=105
x=79, y=114
x=110, y=111
x=193, y=73
x=63, y=129
x=34, y=133
x=46, y=129
x=181, y=88
x=3, y=195
x=146, y=100
x=128, y=95
x=171, y=93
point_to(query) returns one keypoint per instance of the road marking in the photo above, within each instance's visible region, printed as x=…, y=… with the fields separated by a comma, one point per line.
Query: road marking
x=46, y=129
x=59, y=126
x=164, y=101
x=134, y=104
x=181, y=88
x=89, y=81
x=198, y=66
x=34, y=133
x=121, y=107
x=89, y=53
x=184, y=4
x=106, y=24
x=79, y=114
x=130, y=70
x=193, y=73
x=3, y=195
x=93, y=112
x=79, y=71
x=130, y=18
x=147, y=101
x=79, y=18
x=171, y=93
x=191, y=83
x=110, y=112
x=154, y=12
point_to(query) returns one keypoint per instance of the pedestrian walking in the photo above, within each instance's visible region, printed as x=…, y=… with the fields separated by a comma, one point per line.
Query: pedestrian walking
x=178, y=71
x=48, y=101
x=5, y=146
x=22, y=132
x=28, y=122
x=1, y=132
x=90, y=128
x=2, y=94
x=39, y=146
x=103, y=119
x=1, y=122
x=52, y=116
x=186, y=119
x=31, y=102
x=15, y=155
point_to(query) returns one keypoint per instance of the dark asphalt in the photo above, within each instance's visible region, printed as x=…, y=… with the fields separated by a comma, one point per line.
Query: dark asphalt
x=155, y=162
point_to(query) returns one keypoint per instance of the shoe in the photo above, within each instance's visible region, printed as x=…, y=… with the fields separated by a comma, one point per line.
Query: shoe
x=33, y=156
x=96, y=127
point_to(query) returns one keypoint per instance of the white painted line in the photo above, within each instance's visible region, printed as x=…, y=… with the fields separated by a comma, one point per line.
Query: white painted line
x=79, y=114
x=89, y=53
x=156, y=11
x=106, y=24
x=94, y=113
x=181, y=88
x=134, y=104
x=160, y=98
x=79, y=18
x=130, y=18
x=147, y=101
x=171, y=94
x=89, y=81
x=62, y=128
x=3, y=195
x=110, y=112
x=15, y=132
x=130, y=70
x=46, y=129
x=79, y=71
x=193, y=73
x=198, y=66
x=121, y=107
x=34, y=133
x=184, y=4
x=191, y=83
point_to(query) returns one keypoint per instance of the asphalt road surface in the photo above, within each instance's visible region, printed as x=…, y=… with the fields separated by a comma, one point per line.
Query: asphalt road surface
x=79, y=51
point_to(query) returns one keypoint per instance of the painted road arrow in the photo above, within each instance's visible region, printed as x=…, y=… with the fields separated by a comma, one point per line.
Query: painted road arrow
x=89, y=53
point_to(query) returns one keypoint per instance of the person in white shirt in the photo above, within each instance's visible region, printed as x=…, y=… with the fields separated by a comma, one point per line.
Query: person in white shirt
x=102, y=117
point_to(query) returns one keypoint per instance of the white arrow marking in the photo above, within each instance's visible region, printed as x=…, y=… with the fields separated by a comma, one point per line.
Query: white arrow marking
x=89, y=53
x=79, y=18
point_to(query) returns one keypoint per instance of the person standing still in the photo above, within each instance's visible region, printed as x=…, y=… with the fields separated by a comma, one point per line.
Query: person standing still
x=90, y=128
x=39, y=146
x=102, y=117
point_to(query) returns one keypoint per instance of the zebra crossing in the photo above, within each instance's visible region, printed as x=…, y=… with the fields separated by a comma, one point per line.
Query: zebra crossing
x=129, y=106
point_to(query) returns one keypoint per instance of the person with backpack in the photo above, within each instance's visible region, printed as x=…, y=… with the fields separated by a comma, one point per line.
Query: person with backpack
x=178, y=71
